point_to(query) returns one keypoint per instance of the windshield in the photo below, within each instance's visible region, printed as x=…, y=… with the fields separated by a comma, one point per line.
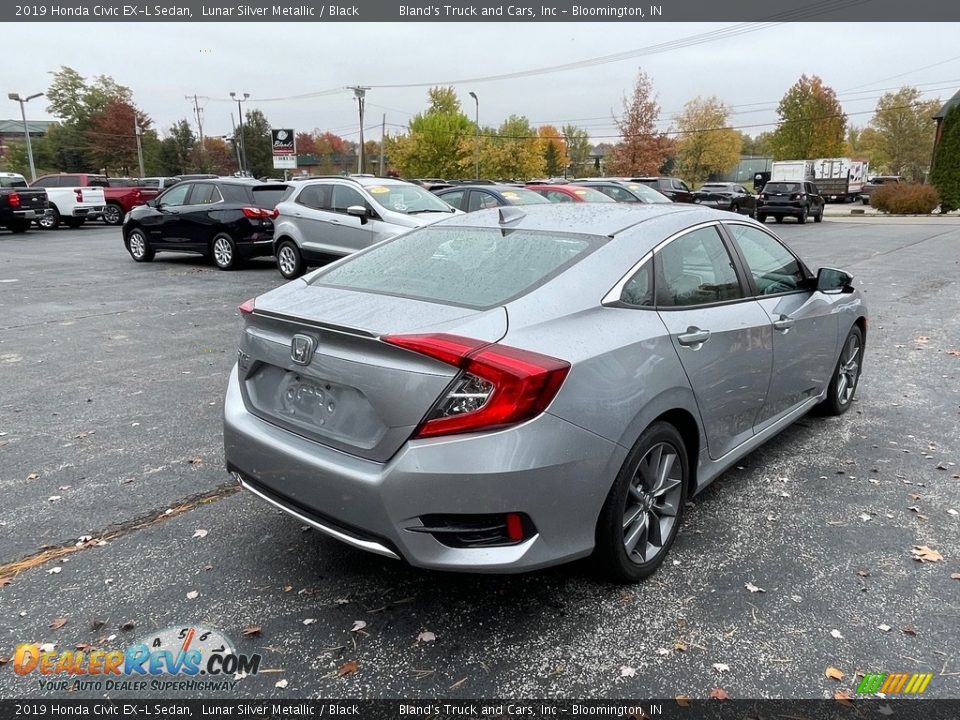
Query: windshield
x=475, y=267
x=522, y=196
x=407, y=198
x=782, y=187
x=9, y=182
x=648, y=193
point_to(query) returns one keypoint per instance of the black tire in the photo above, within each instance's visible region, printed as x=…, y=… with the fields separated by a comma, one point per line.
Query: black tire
x=865, y=200
x=223, y=252
x=819, y=216
x=290, y=260
x=18, y=226
x=112, y=214
x=761, y=218
x=846, y=375
x=50, y=220
x=611, y=553
x=802, y=217
x=778, y=218
x=752, y=214
x=734, y=208
x=138, y=246
x=73, y=223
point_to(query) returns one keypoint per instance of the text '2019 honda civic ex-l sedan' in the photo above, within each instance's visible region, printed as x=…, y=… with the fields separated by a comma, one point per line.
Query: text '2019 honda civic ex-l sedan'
x=520, y=387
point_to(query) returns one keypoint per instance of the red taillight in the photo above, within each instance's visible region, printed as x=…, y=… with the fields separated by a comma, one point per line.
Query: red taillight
x=14, y=200
x=79, y=193
x=246, y=307
x=255, y=213
x=499, y=385
x=272, y=214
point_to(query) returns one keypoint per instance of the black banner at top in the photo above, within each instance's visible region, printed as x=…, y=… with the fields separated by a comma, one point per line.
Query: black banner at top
x=529, y=11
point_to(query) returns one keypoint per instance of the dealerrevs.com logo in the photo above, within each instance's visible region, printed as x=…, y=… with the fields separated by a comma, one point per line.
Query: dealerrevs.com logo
x=184, y=658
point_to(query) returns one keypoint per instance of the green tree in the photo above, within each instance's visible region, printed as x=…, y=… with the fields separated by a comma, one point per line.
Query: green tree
x=945, y=175
x=434, y=143
x=758, y=146
x=183, y=140
x=577, y=143
x=904, y=132
x=706, y=144
x=812, y=123
x=517, y=154
x=641, y=149
x=257, y=143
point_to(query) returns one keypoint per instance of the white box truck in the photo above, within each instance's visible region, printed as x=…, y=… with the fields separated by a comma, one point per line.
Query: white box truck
x=840, y=179
x=791, y=171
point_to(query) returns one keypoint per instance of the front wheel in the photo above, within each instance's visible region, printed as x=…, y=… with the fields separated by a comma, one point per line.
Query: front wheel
x=112, y=214
x=289, y=260
x=139, y=247
x=846, y=375
x=224, y=252
x=640, y=518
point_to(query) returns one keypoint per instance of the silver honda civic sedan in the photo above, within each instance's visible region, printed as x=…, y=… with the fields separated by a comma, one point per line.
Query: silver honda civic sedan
x=520, y=387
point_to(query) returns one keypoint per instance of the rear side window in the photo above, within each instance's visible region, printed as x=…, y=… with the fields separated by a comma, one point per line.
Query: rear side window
x=475, y=267
x=205, y=194
x=234, y=193
x=312, y=196
x=480, y=200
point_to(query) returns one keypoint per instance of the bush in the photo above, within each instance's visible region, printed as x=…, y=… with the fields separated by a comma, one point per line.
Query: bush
x=905, y=199
x=946, y=165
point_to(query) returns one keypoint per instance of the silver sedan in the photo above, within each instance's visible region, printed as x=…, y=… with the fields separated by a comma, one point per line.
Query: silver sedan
x=521, y=387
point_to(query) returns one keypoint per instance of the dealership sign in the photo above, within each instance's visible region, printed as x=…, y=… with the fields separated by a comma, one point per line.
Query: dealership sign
x=284, y=149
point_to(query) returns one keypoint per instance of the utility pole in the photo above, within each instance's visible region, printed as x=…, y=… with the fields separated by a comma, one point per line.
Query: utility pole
x=139, y=132
x=236, y=144
x=476, y=141
x=360, y=92
x=199, y=113
x=243, y=141
x=383, y=136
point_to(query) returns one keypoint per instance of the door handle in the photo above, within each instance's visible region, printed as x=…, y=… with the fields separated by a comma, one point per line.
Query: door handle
x=784, y=324
x=693, y=338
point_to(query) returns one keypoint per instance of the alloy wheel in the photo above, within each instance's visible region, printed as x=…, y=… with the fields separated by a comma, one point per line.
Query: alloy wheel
x=112, y=215
x=848, y=370
x=222, y=252
x=138, y=246
x=653, y=503
x=287, y=260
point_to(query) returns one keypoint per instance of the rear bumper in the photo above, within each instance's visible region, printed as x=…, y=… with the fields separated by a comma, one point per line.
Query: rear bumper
x=11, y=215
x=87, y=212
x=555, y=472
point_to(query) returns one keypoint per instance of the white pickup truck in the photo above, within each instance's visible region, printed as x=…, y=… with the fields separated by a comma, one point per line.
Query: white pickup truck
x=72, y=205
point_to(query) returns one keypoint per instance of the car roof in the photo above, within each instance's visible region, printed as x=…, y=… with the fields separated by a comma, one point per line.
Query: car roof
x=588, y=218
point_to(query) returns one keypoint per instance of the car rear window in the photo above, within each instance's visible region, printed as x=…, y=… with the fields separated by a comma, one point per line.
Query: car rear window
x=472, y=267
x=8, y=182
x=522, y=196
x=782, y=187
x=269, y=195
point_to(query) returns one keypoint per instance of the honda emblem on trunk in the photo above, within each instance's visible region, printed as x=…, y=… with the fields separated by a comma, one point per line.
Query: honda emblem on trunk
x=301, y=349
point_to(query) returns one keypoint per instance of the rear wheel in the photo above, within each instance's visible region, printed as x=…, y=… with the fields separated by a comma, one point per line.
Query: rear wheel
x=139, y=247
x=289, y=260
x=112, y=214
x=73, y=222
x=50, y=220
x=640, y=518
x=846, y=375
x=761, y=218
x=819, y=216
x=19, y=226
x=802, y=217
x=223, y=250
x=778, y=218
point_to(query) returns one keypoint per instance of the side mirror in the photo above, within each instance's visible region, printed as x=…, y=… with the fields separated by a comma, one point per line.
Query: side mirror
x=152, y=203
x=831, y=280
x=359, y=211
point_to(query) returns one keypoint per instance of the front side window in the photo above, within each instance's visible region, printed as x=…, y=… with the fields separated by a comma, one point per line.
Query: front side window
x=454, y=198
x=481, y=200
x=696, y=269
x=773, y=267
x=175, y=196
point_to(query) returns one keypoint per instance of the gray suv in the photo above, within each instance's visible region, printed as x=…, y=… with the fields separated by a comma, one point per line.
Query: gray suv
x=336, y=216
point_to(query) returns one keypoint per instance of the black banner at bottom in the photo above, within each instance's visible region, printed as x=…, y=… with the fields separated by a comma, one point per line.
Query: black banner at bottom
x=670, y=709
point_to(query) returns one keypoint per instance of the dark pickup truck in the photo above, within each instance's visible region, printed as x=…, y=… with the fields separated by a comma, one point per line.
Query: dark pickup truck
x=19, y=204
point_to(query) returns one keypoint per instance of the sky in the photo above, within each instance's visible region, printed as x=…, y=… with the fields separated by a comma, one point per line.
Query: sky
x=275, y=62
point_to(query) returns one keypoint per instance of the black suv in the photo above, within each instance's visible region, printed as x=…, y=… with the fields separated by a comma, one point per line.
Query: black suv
x=674, y=188
x=780, y=199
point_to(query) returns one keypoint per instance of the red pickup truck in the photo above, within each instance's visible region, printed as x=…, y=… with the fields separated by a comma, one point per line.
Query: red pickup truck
x=121, y=194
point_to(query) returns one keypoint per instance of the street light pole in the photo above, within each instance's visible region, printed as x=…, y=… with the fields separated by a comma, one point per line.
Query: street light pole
x=476, y=142
x=243, y=141
x=26, y=130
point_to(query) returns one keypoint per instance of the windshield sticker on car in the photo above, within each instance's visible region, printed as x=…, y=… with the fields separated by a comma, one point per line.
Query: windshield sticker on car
x=511, y=195
x=378, y=189
x=580, y=192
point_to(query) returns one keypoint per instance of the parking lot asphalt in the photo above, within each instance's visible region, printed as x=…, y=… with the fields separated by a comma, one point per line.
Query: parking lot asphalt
x=112, y=376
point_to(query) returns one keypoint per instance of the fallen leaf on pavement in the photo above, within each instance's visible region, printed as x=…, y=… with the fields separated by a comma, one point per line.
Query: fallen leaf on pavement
x=350, y=667
x=682, y=700
x=195, y=461
x=680, y=647
x=200, y=534
x=358, y=625
x=863, y=573
x=287, y=588
x=721, y=667
x=58, y=623
x=281, y=684
x=4, y=581
x=836, y=633
x=426, y=636
x=85, y=647
x=834, y=673
x=663, y=651
x=193, y=595
x=753, y=588
x=865, y=517
x=4, y=659
x=47, y=647
x=844, y=696
x=909, y=631
x=250, y=631
x=127, y=626
x=627, y=671
x=54, y=570
x=718, y=694
x=33, y=476
x=955, y=353
x=309, y=621
x=923, y=554
x=53, y=498
x=884, y=628
x=955, y=576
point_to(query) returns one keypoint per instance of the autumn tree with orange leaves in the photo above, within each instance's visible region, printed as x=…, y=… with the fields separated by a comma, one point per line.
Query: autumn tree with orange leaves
x=642, y=148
